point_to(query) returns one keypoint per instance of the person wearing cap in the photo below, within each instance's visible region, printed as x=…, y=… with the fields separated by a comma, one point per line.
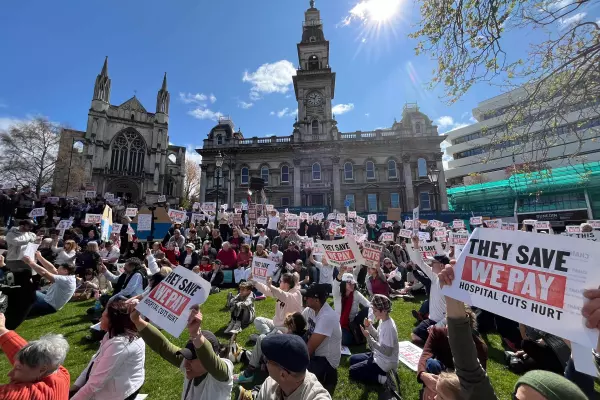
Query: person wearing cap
x=262, y=239
x=206, y=375
x=287, y=362
x=372, y=367
x=324, y=336
x=189, y=258
x=346, y=301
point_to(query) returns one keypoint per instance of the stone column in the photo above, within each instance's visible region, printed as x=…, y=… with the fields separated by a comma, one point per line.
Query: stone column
x=203, y=184
x=337, y=202
x=408, y=182
x=442, y=184
x=297, y=182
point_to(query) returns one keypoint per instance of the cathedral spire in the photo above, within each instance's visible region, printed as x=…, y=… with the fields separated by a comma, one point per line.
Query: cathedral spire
x=164, y=85
x=163, y=98
x=102, y=85
x=105, y=67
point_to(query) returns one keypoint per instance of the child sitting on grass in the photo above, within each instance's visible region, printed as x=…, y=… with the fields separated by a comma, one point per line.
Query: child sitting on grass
x=241, y=307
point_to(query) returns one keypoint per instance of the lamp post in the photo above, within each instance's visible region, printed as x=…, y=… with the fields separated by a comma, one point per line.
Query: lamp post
x=219, y=165
x=433, y=176
x=69, y=171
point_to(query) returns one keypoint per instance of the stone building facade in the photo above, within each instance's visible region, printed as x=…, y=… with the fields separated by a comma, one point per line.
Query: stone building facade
x=318, y=166
x=125, y=149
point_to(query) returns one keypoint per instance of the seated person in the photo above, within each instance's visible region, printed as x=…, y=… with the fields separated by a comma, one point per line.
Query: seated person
x=346, y=301
x=60, y=291
x=215, y=277
x=373, y=367
x=227, y=256
x=130, y=283
x=204, y=266
x=289, y=300
x=376, y=282
x=86, y=286
x=110, y=254
x=189, y=258
x=116, y=371
x=241, y=307
x=37, y=372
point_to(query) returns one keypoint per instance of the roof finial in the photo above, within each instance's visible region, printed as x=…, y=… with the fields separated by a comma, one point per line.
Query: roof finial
x=164, y=85
x=105, y=67
x=312, y=3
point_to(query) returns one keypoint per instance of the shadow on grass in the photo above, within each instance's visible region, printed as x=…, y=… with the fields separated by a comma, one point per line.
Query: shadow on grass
x=494, y=353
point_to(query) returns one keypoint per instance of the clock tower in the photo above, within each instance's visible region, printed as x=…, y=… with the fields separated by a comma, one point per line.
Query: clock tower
x=314, y=83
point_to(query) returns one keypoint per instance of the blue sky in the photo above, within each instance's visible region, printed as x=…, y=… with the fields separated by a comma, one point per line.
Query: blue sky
x=232, y=57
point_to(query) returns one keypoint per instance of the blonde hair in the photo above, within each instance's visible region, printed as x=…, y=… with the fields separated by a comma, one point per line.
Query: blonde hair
x=450, y=384
x=164, y=271
x=70, y=245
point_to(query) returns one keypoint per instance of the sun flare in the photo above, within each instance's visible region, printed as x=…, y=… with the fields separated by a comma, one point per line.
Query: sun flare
x=376, y=11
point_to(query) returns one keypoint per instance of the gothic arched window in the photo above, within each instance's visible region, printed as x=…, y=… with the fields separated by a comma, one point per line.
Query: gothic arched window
x=128, y=150
x=313, y=63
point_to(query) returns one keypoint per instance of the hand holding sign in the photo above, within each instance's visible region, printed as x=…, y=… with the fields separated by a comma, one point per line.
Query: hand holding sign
x=194, y=324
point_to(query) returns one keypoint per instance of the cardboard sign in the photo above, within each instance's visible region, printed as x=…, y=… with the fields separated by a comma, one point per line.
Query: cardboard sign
x=405, y=233
x=340, y=217
x=573, y=228
x=493, y=223
x=593, y=236
x=475, y=221
x=144, y=222
x=90, y=194
x=595, y=223
x=529, y=222
x=435, y=224
x=262, y=220
x=372, y=218
x=387, y=237
x=64, y=224
x=162, y=198
x=510, y=226
x=352, y=214
x=109, y=196
x=37, y=212
x=342, y=253
x=424, y=236
x=458, y=224
x=371, y=252
x=331, y=216
x=360, y=220
x=318, y=217
x=262, y=268
x=131, y=212
x=541, y=225
x=209, y=207
x=168, y=304
x=458, y=238
x=93, y=218
x=408, y=224
x=409, y=354
x=534, y=279
x=292, y=223
x=177, y=216
x=53, y=200
x=116, y=228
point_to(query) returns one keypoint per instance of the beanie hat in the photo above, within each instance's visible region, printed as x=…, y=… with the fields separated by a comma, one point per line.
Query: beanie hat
x=550, y=385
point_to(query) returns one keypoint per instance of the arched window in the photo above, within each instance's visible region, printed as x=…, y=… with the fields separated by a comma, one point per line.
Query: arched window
x=316, y=172
x=128, y=151
x=219, y=139
x=370, y=170
x=313, y=63
x=133, y=117
x=315, y=127
x=244, y=176
x=170, y=187
x=418, y=127
x=264, y=174
x=392, y=171
x=422, y=167
x=312, y=39
x=348, y=171
x=285, y=174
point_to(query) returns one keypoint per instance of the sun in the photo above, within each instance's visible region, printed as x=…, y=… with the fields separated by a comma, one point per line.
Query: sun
x=376, y=11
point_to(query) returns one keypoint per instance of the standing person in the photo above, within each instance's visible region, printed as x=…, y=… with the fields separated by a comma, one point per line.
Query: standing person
x=324, y=337
x=207, y=376
x=325, y=271
x=25, y=202
x=273, y=226
x=37, y=372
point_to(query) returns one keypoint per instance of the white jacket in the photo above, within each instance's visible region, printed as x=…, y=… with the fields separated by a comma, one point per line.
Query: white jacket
x=117, y=370
x=356, y=300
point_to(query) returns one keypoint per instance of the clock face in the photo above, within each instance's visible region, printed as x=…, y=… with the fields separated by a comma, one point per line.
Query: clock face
x=314, y=99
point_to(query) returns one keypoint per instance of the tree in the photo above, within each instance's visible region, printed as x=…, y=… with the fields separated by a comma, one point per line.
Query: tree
x=556, y=82
x=191, y=183
x=29, y=153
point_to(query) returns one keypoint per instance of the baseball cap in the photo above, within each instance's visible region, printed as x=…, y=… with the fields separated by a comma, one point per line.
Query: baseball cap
x=191, y=246
x=317, y=290
x=348, y=277
x=287, y=350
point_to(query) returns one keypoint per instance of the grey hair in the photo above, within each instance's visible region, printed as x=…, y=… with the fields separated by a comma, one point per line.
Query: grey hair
x=50, y=350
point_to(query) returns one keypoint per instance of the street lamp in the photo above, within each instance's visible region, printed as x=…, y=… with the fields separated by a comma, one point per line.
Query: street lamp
x=433, y=176
x=73, y=141
x=219, y=164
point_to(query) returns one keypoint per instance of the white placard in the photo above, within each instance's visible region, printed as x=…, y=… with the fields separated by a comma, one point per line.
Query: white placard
x=53, y=200
x=529, y=222
x=162, y=198
x=90, y=194
x=595, y=223
x=318, y=216
x=116, y=228
x=530, y=278
x=144, y=222
x=405, y=233
x=340, y=217
x=351, y=214
x=475, y=221
x=262, y=268
x=262, y=220
x=573, y=228
x=387, y=237
x=409, y=355
x=197, y=217
x=342, y=253
x=30, y=250
x=292, y=223
x=371, y=252
x=168, y=304
x=331, y=216
x=415, y=219
x=408, y=224
x=360, y=220
x=37, y=212
x=541, y=225
x=440, y=234
x=196, y=206
x=493, y=223
x=424, y=236
x=435, y=223
x=131, y=212
x=93, y=218
x=177, y=216
x=64, y=224
x=458, y=224
x=458, y=238
x=510, y=226
x=593, y=236
x=269, y=207
x=109, y=196
x=372, y=218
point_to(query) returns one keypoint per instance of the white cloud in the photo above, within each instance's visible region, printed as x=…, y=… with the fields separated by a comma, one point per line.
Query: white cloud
x=191, y=154
x=560, y=4
x=212, y=98
x=7, y=122
x=205, y=113
x=572, y=20
x=446, y=124
x=340, y=109
x=270, y=78
x=244, y=105
x=286, y=112
x=189, y=98
x=272, y=113
x=446, y=157
x=367, y=115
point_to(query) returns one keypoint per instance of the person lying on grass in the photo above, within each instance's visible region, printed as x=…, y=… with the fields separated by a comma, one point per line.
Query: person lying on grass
x=207, y=376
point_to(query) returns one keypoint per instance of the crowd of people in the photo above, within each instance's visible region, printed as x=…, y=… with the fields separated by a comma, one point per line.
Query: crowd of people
x=299, y=345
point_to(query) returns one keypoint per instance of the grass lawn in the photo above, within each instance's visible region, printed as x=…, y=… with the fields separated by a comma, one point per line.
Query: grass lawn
x=165, y=382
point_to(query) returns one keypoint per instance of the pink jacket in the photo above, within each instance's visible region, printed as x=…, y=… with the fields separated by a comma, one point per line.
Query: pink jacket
x=287, y=302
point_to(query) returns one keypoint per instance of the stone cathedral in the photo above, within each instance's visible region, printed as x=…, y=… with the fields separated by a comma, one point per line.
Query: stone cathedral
x=317, y=166
x=124, y=150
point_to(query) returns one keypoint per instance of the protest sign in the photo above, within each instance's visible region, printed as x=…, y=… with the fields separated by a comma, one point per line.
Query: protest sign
x=351, y=214
x=409, y=354
x=144, y=222
x=196, y=206
x=168, y=304
x=209, y=207
x=458, y=224
x=405, y=233
x=116, y=227
x=415, y=219
x=318, y=216
x=29, y=250
x=593, y=236
x=408, y=224
x=262, y=220
x=371, y=252
x=64, y=224
x=510, y=226
x=342, y=253
x=177, y=216
x=262, y=268
x=429, y=249
x=372, y=218
x=303, y=216
x=318, y=250
x=37, y=212
x=93, y=218
x=331, y=216
x=595, y=223
x=387, y=237
x=530, y=278
x=458, y=238
x=424, y=236
x=269, y=207
x=573, y=228
x=340, y=217
x=106, y=223
x=423, y=226
x=476, y=220
x=197, y=217
x=529, y=222
x=360, y=238
x=493, y=223
x=237, y=206
x=541, y=225
x=360, y=220
x=162, y=198
x=131, y=212
x=387, y=224
x=434, y=223
x=350, y=228
x=53, y=200
x=440, y=234
x=332, y=227
x=109, y=196
x=90, y=194
x=237, y=219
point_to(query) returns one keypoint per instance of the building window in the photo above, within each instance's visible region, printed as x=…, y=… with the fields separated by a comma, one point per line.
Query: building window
x=316, y=172
x=395, y=200
x=372, y=203
x=244, y=176
x=352, y=206
x=128, y=151
x=219, y=139
x=315, y=127
x=424, y=201
x=418, y=127
x=313, y=63
x=370, y=170
x=264, y=174
x=285, y=174
x=285, y=202
x=422, y=167
x=312, y=39
x=170, y=187
x=392, y=171
x=348, y=171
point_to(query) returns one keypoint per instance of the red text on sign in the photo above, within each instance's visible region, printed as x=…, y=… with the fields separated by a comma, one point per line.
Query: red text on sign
x=170, y=298
x=345, y=255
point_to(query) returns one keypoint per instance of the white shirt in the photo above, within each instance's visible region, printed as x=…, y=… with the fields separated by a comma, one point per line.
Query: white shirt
x=388, y=336
x=112, y=254
x=61, y=291
x=276, y=257
x=326, y=323
x=273, y=221
x=117, y=372
x=325, y=272
x=209, y=388
x=437, y=301
x=262, y=239
x=188, y=259
x=134, y=287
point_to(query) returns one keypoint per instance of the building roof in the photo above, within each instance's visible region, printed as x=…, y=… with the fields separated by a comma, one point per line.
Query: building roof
x=133, y=104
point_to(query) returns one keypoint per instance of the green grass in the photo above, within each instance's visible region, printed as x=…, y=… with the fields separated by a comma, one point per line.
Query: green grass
x=163, y=381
